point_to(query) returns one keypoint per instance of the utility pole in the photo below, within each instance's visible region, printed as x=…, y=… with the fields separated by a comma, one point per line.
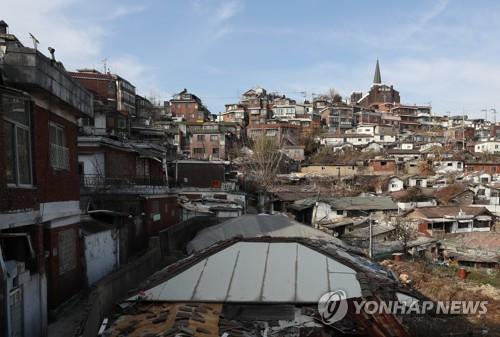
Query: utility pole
x=463, y=129
x=105, y=63
x=370, y=244
x=485, y=114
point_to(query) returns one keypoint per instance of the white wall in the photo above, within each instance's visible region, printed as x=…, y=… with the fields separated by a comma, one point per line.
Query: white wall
x=395, y=185
x=323, y=212
x=93, y=163
x=101, y=254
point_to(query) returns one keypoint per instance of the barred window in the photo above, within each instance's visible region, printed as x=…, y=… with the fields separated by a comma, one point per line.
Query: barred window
x=59, y=153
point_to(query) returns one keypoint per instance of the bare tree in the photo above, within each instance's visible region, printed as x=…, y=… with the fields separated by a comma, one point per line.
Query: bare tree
x=332, y=95
x=264, y=164
x=404, y=231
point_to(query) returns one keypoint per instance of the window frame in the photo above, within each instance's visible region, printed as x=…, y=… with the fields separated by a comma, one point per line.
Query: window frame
x=18, y=125
x=62, y=129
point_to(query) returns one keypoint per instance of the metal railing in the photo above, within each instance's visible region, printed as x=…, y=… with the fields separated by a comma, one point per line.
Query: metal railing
x=59, y=157
x=98, y=180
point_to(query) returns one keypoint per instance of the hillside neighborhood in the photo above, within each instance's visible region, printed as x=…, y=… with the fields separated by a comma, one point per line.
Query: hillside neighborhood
x=127, y=215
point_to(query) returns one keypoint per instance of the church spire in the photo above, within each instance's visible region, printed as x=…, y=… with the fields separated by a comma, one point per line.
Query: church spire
x=377, y=79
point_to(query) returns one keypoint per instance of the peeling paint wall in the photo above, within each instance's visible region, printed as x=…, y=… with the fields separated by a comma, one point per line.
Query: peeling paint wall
x=101, y=254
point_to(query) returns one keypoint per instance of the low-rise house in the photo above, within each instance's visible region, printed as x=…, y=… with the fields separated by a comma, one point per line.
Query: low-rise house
x=478, y=177
x=451, y=219
x=217, y=202
x=383, y=166
x=404, y=155
x=295, y=152
x=409, y=199
x=335, y=170
x=354, y=139
x=372, y=147
x=186, y=173
x=247, y=283
x=395, y=184
x=473, y=249
x=417, y=181
x=327, y=211
x=280, y=132
x=455, y=194
x=475, y=166
x=487, y=147
x=448, y=166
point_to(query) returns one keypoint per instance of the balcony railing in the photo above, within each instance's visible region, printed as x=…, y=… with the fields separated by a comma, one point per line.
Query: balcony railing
x=97, y=180
x=59, y=157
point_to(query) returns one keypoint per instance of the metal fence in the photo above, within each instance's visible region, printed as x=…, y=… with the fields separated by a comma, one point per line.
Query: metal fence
x=98, y=180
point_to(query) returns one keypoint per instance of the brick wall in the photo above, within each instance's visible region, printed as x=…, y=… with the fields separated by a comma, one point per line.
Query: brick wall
x=383, y=166
x=120, y=163
x=187, y=110
x=54, y=184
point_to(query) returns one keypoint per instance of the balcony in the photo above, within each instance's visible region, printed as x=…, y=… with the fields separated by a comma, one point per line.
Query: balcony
x=124, y=184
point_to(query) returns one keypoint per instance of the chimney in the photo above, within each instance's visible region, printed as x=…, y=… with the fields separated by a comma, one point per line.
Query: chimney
x=3, y=27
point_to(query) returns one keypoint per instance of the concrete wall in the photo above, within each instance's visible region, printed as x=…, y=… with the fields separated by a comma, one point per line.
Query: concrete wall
x=115, y=287
x=93, y=163
x=101, y=254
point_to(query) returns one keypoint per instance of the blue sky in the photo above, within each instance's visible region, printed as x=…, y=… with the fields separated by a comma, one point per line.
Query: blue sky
x=438, y=51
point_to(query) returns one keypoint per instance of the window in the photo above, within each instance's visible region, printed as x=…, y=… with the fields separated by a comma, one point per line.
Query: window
x=340, y=212
x=17, y=140
x=199, y=150
x=121, y=123
x=215, y=151
x=142, y=167
x=200, y=138
x=214, y=138
x=59, y=153
x=87, y=122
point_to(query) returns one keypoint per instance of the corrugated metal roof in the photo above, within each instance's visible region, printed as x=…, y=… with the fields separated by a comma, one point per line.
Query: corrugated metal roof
x=259, y=272
x=250, y=226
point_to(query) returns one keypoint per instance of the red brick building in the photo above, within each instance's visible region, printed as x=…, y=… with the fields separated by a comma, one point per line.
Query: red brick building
x=383, y=166
x=379, y=94
x=284, y=134
x=114, y=102
x=491, y=168
x=39, y=185
x=189, y=107
x=211, y=141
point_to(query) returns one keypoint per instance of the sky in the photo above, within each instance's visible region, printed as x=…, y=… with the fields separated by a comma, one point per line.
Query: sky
x=442, y=52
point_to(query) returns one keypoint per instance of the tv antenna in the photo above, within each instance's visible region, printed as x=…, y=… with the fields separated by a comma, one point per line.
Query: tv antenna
x=35, y=41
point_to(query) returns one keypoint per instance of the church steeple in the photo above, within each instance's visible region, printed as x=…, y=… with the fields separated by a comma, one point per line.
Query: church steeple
x=377, y=79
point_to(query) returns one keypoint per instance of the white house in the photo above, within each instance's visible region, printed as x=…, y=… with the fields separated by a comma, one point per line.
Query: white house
x=417, y=181
x=387, y=138
x=395, y=184
x=448, y=166
x=354, y=139
x=487, y=147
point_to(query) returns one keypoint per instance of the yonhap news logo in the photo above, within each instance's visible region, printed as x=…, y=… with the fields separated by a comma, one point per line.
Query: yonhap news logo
x=333, y=307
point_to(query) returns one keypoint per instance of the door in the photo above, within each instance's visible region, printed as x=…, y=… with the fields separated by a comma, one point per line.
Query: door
x=16, y=312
